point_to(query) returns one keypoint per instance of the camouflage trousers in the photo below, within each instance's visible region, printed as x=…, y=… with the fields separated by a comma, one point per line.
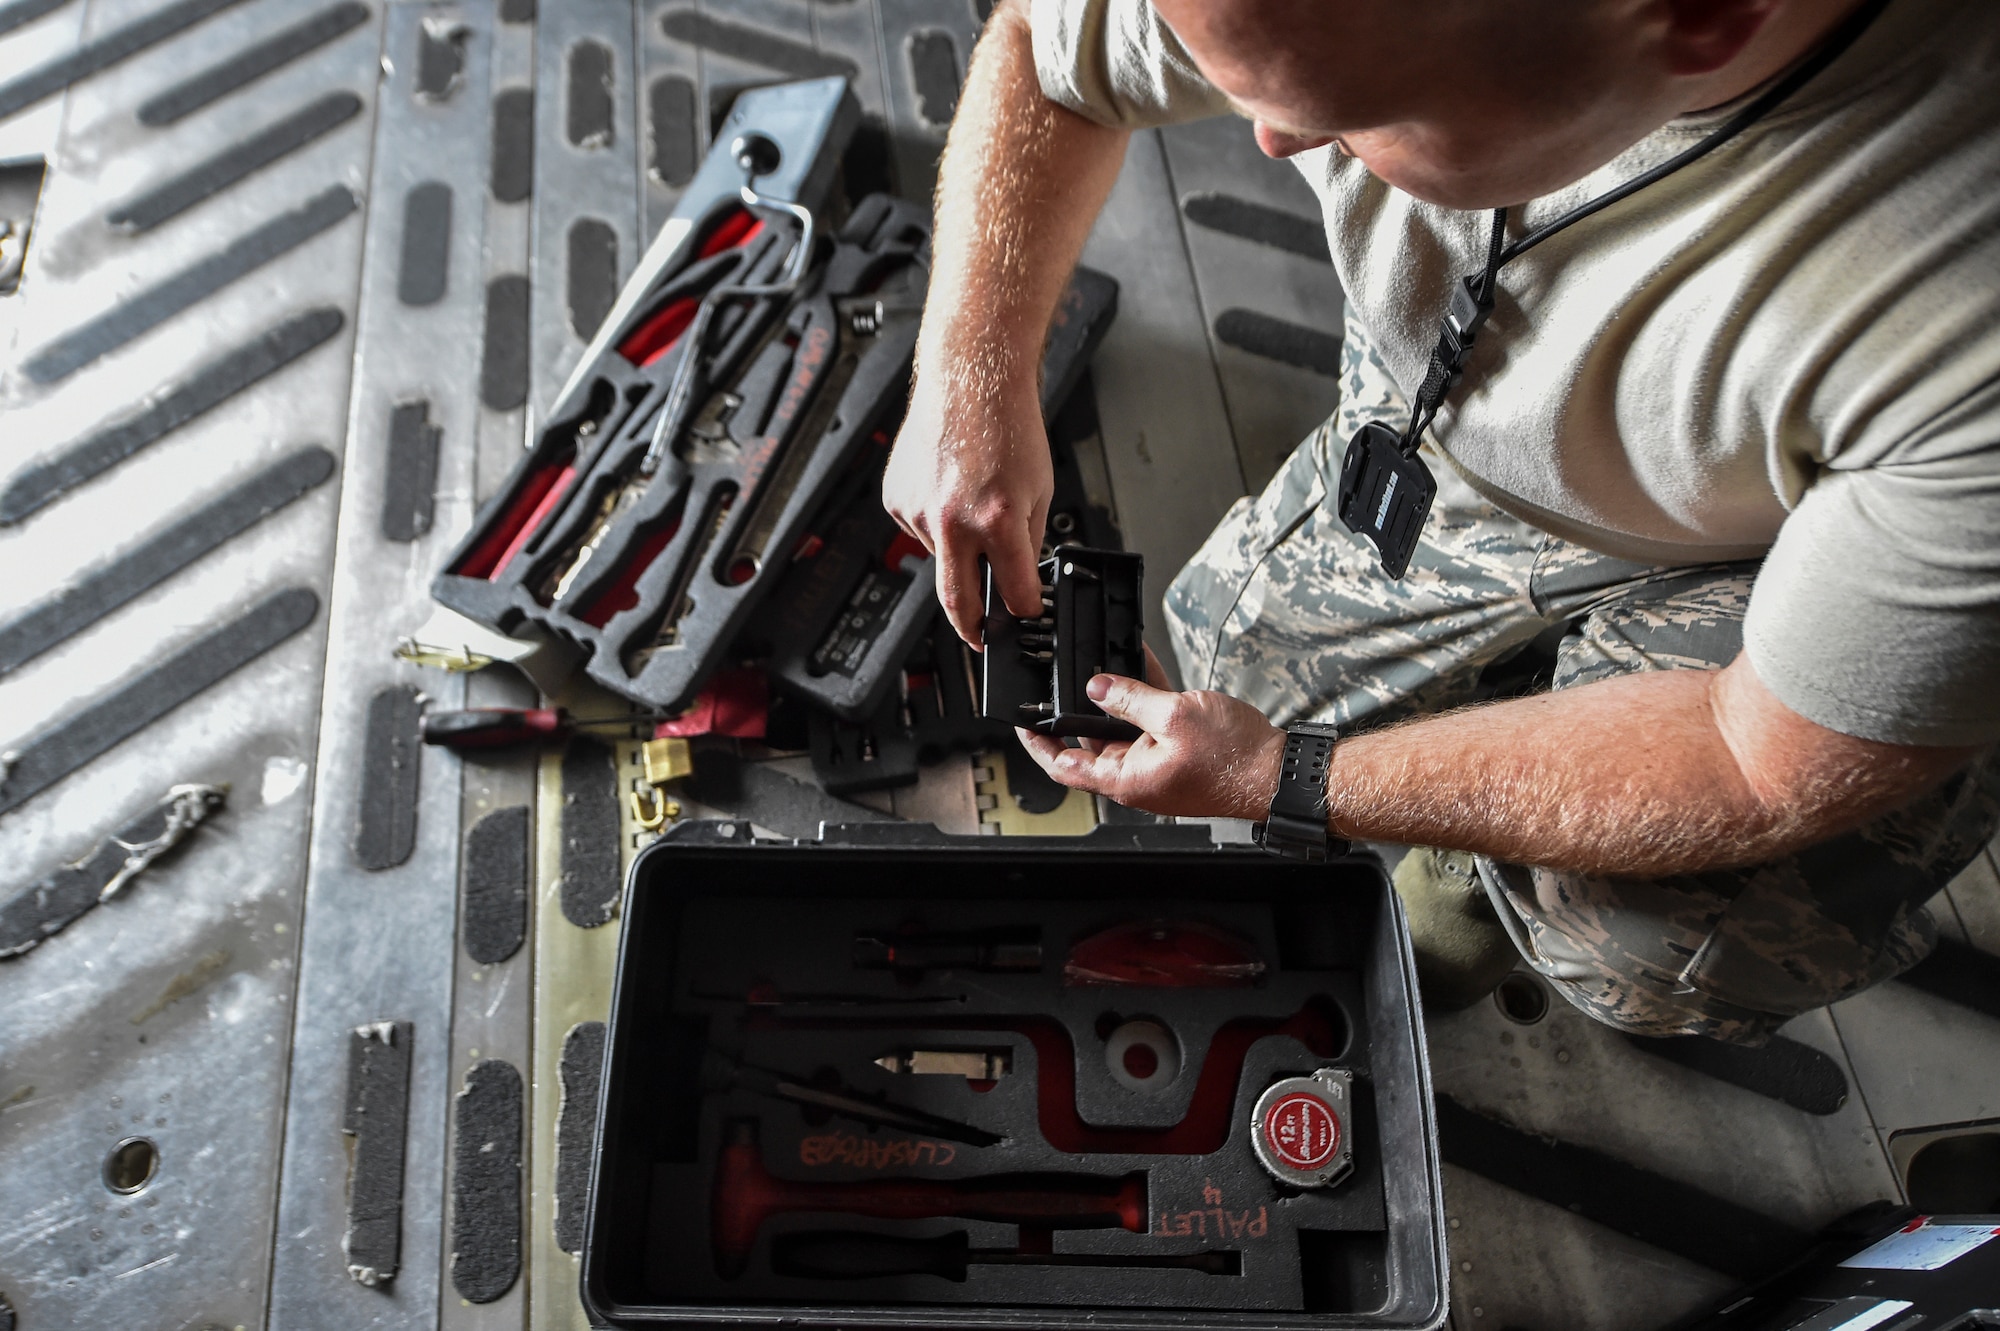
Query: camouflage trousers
x=1285, y=608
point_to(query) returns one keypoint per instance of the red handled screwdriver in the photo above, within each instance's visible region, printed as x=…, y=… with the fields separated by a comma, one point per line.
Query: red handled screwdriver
x=501, y=727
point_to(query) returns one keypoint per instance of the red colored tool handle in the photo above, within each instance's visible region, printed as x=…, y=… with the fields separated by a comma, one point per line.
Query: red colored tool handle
x=746, y=1195
x=492, y=727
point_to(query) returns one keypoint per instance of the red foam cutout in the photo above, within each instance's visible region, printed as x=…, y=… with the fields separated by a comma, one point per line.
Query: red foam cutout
x=736, y=228
x=623, y=592
x=659, y=334
x=1203, y=1131
x=736, y=703
x=905, y=546
x=524, y=513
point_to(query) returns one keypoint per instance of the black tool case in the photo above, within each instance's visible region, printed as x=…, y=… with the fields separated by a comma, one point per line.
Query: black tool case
x=888, y=1079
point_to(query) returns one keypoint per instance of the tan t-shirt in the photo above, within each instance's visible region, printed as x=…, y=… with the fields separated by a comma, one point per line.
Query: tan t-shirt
x=1791, y=346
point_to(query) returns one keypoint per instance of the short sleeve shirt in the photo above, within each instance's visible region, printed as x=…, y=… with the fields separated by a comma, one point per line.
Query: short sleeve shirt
x=1789, y=349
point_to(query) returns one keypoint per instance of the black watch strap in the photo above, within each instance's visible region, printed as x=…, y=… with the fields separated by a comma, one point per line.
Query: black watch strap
x=1296, y=825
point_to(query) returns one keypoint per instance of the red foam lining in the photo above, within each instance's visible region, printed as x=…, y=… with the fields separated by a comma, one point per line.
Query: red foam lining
x=657, y=336
x=497, y=548
x=623, y=593
x=739, y=227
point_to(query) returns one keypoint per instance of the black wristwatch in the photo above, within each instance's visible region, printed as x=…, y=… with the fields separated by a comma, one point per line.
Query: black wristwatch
x=1296, y=825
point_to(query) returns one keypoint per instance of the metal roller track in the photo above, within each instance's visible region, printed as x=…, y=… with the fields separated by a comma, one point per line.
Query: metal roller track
x=378, y=944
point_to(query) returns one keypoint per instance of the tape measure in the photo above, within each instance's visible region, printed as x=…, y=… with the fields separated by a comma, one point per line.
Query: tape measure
x=1300, y=1129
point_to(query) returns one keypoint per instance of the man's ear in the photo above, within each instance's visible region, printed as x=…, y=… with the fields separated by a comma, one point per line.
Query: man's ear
x=1704, y=35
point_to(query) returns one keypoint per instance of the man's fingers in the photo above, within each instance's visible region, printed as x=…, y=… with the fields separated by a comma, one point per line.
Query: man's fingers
x=959, y=591
x=1077, y=768
x=1152, y=710
x=1014, y=571
x=1156, y=674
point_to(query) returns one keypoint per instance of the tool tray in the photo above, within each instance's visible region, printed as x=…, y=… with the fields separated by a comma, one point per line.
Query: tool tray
x=652, y=576
x=840, y=624
x=754, y=982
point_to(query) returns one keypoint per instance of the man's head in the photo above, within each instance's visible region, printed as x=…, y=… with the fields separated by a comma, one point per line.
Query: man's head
x=1480, y=103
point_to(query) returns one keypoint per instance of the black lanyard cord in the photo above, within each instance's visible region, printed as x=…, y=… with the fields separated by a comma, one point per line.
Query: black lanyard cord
x=1472, y=297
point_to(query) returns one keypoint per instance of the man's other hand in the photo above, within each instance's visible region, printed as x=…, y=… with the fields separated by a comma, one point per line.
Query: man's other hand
x=1203, y=754
x=971, y=481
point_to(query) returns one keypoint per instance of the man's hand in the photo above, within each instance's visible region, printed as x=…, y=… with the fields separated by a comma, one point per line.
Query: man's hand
x=1668, y=772
x=974, y=480
x=1022, y=181
x=1204, y=754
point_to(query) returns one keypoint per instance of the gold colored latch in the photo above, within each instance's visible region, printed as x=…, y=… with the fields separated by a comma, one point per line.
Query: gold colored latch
x=666, y=760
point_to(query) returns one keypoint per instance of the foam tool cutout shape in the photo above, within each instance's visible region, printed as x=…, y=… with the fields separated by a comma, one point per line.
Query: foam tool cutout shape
x=746, y=1195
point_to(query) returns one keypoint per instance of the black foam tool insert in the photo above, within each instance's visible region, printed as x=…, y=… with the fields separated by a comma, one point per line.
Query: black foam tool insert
x=590, y=860
x=486, y=1182
x=385, y=830
x=513, y=165
x=496, y=885
x=1718, y=1233
x=1783, y=1070
x=175, y=195
x=503, y=362
x=1280, y=340
x=377, y=1117
x=103, y=52
x=97, y=593
x=144, y=699
x=425, y=267
x=141, y=313
x=251, y=63
x=879, y=753
x=409, y=486
x=746, y=948
x=207, y=388
x=576, y=1125
x=1261, y=223
x=59, y=898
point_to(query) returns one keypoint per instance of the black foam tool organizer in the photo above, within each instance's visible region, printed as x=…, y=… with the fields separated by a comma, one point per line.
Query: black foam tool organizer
x=842, y=623
x=1092, y=622
x=891, y=1078
x=651, y=572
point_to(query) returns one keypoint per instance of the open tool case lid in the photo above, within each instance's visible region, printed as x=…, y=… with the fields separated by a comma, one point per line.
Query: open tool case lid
x=709, y=891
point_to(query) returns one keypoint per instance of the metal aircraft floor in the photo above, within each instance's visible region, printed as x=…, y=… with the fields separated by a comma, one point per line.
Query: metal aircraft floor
x=236, y=259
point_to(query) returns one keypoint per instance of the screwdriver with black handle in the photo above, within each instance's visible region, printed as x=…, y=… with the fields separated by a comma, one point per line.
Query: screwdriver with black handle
x=505, y=727
x=832, y=1254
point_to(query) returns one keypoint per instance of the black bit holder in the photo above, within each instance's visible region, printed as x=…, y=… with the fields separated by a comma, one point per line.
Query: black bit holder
x=1091, y=623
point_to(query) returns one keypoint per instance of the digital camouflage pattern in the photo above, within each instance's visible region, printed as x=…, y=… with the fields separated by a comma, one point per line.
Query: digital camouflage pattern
x=1284, y=607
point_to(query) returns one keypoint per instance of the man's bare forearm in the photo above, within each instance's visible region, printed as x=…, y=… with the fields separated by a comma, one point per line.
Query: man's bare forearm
x=1022, y=182
x=1645, y=776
